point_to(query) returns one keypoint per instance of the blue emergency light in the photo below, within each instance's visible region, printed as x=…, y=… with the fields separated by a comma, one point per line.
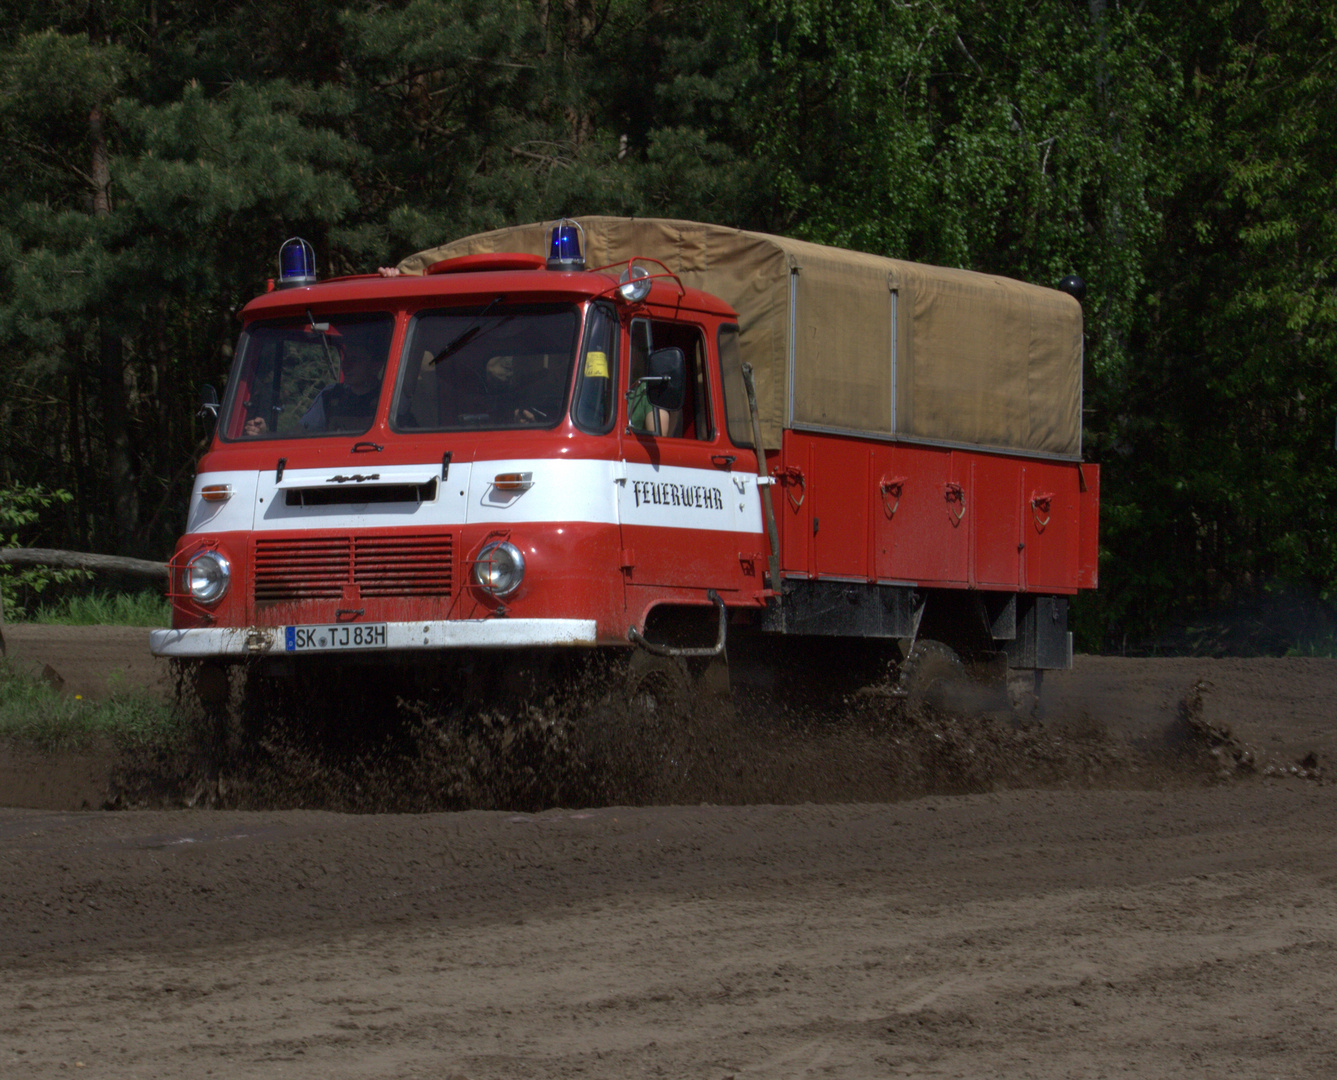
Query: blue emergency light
x=567, y=249
x=297, y=264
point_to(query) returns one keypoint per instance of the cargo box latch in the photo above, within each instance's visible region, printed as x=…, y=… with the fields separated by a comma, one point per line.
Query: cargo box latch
x=791, y=476
x=891, y=487
x=955, y=493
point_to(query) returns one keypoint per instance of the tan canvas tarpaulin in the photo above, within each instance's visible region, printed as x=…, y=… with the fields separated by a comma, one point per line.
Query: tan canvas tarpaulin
x=879, y=346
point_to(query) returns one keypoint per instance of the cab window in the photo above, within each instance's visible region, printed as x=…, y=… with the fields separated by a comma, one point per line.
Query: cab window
x=307, y=377
x=594, y=404
x=737, y=415
x=693, y=420
x=499, y=366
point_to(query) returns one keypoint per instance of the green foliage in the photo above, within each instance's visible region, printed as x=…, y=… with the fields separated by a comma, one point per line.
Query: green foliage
x=34, y=714
x=1324, y=647
x=24, y=515
x=1218, y=443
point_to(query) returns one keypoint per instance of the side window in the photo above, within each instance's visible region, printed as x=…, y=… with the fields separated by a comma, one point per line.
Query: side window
x=640, y=416
x=693, y=420
x=594, y=404
x=737, y=416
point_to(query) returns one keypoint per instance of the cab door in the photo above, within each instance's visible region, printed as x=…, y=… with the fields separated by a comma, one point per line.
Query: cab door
x=681, y=504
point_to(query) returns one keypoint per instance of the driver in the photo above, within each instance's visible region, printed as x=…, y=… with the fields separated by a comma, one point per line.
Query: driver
x=349, y=403
x=642, y=416
x=511, y=383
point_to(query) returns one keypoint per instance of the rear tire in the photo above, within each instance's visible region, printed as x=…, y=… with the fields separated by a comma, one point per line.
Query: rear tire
x=932, y=675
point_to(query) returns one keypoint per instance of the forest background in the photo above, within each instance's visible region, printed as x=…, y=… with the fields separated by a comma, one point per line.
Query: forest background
x=1179, y=157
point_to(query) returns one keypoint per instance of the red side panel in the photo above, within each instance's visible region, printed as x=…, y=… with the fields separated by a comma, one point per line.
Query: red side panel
x=838, y=515
x=1050, y=526
x=793, y=510
x=996, y=521
x=923, y=525
x=893, y=512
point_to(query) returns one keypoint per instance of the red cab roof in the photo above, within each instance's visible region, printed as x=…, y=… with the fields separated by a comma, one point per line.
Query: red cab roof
x=464, y=286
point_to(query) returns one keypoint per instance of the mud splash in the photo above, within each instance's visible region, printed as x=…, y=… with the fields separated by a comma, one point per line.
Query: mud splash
x=583, y=749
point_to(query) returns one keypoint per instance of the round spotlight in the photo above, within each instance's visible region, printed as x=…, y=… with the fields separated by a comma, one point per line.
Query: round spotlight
x=1074, y=287
x=634, y=284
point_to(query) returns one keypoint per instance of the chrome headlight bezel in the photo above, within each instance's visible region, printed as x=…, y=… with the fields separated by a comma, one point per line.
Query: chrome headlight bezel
x=499, y=568
x=207, y=576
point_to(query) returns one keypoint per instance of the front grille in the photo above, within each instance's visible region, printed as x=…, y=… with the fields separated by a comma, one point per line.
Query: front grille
x=315, y=568
x=402, y=565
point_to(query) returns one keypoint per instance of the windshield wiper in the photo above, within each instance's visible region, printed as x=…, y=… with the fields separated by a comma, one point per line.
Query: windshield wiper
x=469, y=333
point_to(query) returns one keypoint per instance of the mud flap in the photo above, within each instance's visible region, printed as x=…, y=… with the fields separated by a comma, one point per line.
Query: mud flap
x=1042, y=639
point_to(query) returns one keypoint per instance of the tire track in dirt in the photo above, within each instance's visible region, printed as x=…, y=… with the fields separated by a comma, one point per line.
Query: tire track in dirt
x=1015, y=934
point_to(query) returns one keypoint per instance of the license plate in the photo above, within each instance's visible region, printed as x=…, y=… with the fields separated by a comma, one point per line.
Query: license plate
x=335, y=636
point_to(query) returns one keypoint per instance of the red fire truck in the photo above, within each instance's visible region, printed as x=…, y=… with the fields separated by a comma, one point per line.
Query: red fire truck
x=652, y=437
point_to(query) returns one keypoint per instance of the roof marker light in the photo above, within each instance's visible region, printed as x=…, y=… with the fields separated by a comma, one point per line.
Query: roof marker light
x=567, y=248
x=634, y=284
x=297, y=263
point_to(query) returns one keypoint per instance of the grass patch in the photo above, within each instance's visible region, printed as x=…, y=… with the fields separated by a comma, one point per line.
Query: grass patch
x=1323, y=646
x=34, y=714
x=107, y=609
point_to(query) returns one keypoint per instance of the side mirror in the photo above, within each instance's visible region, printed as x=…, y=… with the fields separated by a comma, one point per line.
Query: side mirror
x=666, y=379
x=208, y=403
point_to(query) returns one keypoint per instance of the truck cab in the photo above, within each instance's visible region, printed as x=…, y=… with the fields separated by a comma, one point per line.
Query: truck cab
x=502, y=452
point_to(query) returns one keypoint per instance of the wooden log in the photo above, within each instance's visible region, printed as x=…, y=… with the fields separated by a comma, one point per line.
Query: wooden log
x=82, y=560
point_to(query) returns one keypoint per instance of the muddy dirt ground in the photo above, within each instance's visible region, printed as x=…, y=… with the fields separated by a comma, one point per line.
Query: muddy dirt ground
x=1142, y=886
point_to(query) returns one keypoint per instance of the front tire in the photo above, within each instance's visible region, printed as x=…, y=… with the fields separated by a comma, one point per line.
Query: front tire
x=659, y=690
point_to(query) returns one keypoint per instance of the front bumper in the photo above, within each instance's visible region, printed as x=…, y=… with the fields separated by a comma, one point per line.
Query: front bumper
x=243, y=641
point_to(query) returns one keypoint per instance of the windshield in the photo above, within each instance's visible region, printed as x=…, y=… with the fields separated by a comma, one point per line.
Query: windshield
x=498, y=366
x=317, y=375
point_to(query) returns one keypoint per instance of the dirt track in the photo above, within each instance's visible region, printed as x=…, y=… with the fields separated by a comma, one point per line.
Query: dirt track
x=1186, y=931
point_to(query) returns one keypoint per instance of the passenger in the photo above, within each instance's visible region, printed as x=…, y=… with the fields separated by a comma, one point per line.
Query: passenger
x=642, y=416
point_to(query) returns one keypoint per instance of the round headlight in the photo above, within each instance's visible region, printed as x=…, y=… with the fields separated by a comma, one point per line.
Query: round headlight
x=499, y=568
x=207, y=576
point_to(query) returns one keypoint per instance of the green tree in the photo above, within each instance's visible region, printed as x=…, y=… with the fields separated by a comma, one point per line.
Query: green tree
x=132, y=229
x=1221, y=481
